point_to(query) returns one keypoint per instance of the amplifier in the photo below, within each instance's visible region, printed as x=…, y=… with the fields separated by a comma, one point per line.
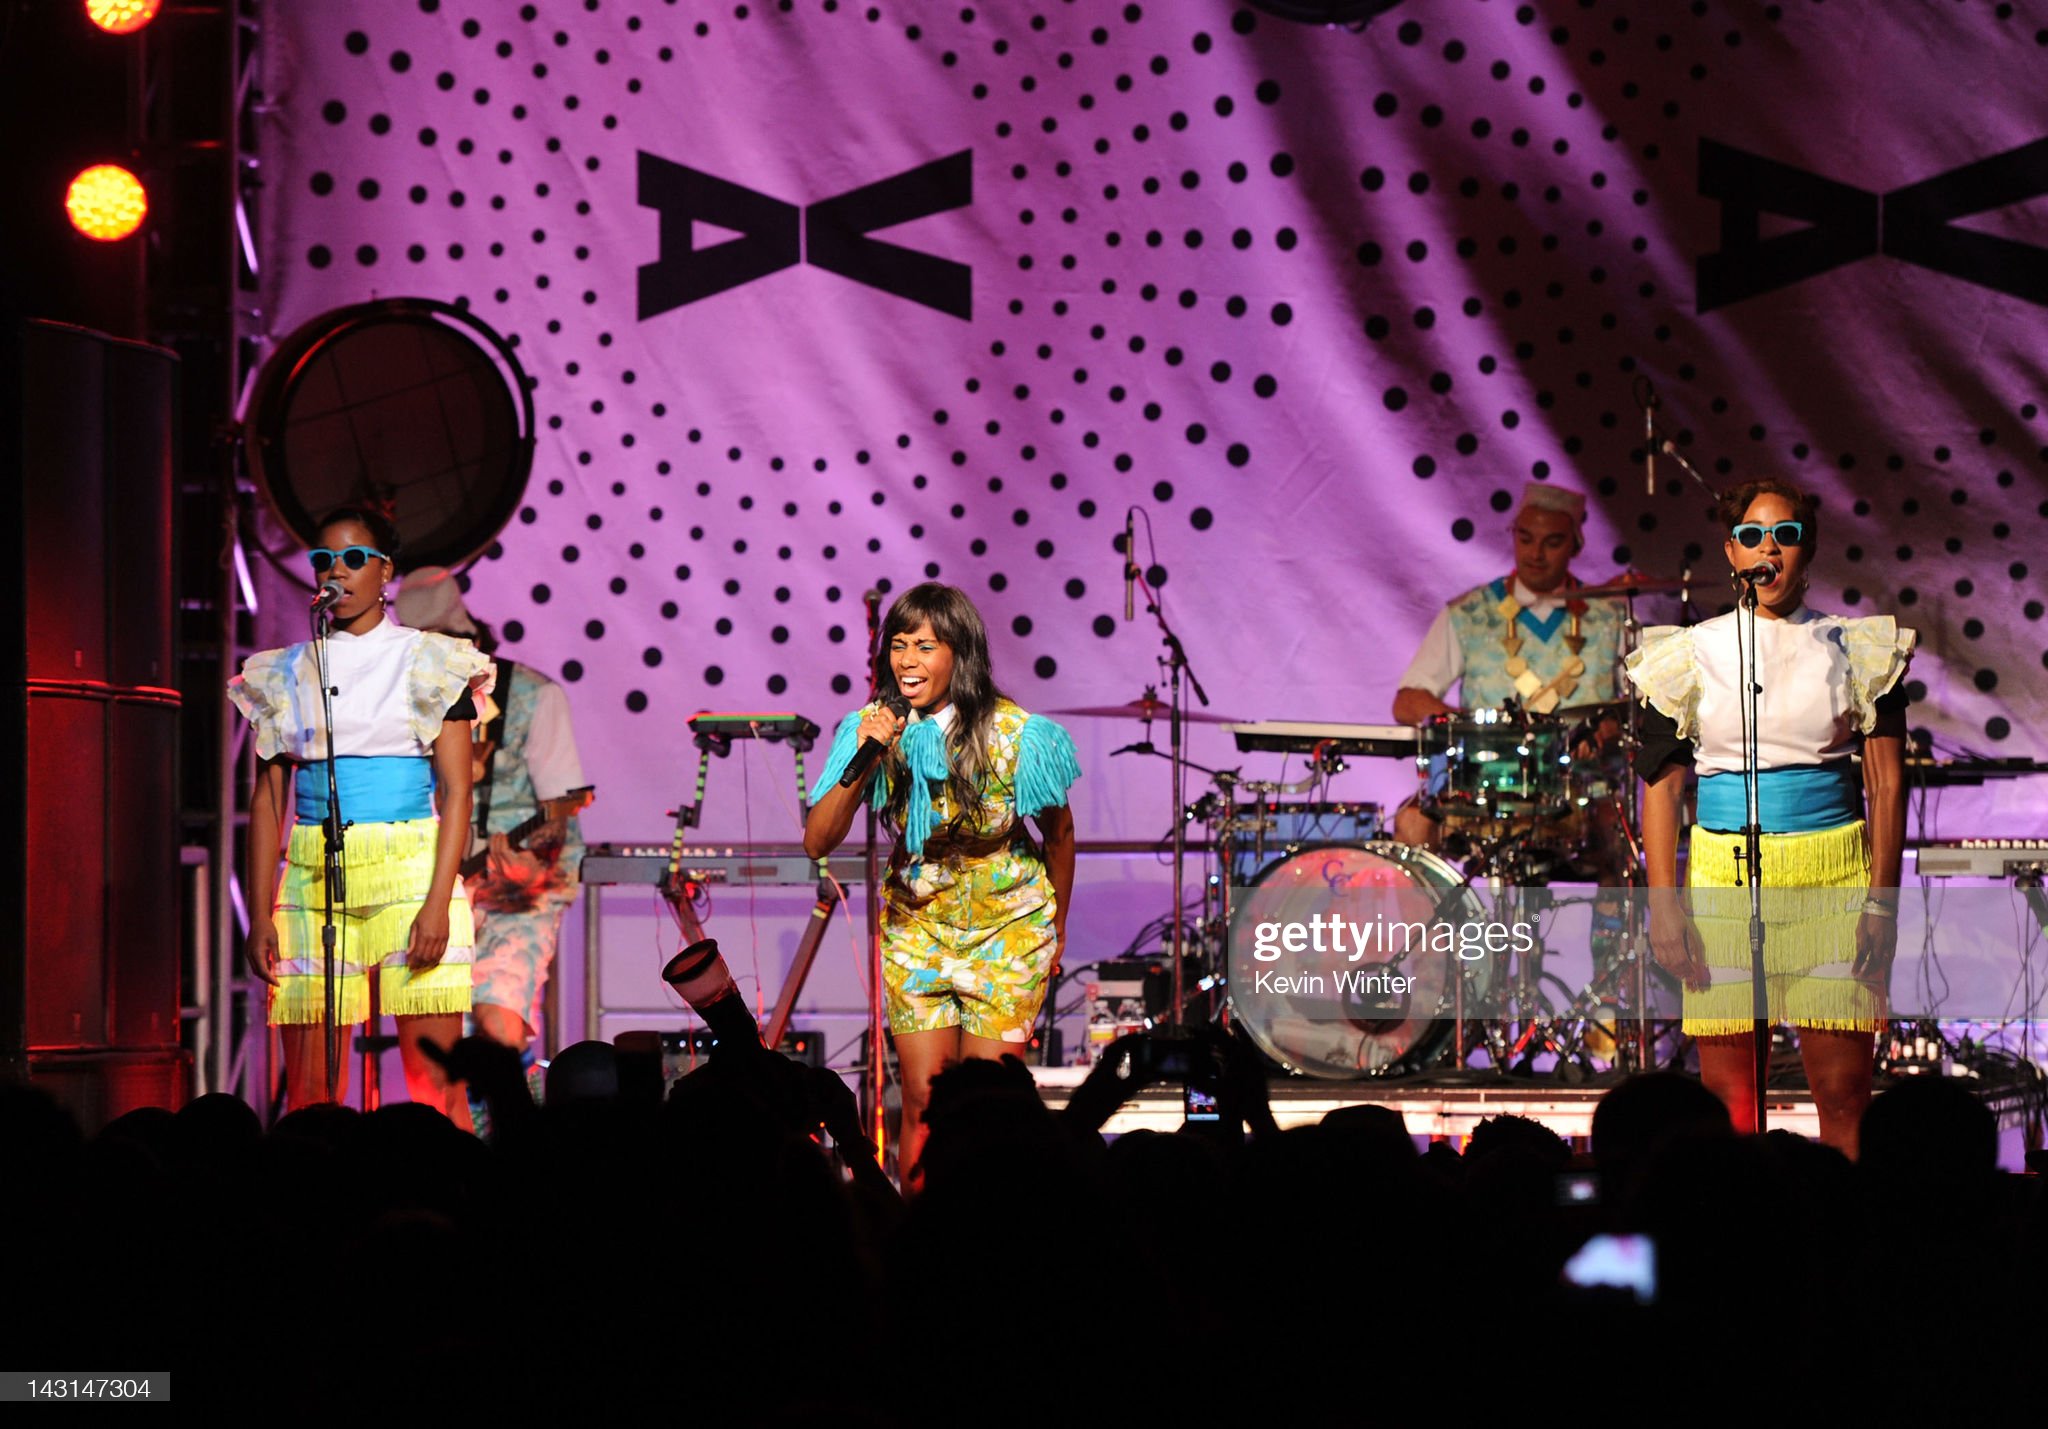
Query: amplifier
x=683, y=1051
x=1124, y=995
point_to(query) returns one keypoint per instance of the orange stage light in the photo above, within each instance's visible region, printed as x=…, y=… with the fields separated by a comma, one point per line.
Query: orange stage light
x=106, y=202
x=121, y=17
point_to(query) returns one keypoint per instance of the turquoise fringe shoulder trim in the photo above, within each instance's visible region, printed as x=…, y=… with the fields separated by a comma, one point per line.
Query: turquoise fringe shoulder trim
x=845, y=744
x=924, y=750
x=1046, y=766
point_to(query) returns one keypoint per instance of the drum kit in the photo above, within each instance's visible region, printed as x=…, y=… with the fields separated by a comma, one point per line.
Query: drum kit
x=1517, y=802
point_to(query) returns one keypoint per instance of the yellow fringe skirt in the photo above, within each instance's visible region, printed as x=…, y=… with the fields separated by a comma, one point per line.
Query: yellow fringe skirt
x=1813, y=890
x=389, y=867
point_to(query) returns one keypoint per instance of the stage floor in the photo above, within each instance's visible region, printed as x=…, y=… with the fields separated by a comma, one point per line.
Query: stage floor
x=1443, y=1109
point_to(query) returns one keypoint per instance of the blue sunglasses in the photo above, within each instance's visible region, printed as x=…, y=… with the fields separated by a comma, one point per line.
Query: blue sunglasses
x=354, y=557
x=1785, y=533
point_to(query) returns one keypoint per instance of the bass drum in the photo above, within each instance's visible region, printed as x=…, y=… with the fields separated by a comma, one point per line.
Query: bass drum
x=1318, y=1030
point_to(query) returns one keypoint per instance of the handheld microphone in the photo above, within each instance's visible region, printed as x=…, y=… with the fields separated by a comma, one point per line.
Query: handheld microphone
x=330, y=595
x=871, y=749
x=1762, y=573
x=1130, y=564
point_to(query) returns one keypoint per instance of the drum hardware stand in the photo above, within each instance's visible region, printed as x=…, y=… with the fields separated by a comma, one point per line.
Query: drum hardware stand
x=1324, y=763
x=1638, y=955
x=1216, y=811
x=1181, y=673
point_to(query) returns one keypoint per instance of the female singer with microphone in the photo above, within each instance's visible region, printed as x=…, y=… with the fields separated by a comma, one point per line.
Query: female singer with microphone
x=402, y=705
x=1830, y=686
x=974, y=908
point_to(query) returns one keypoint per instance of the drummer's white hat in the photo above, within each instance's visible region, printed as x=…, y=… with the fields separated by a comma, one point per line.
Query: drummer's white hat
x=1545, y=497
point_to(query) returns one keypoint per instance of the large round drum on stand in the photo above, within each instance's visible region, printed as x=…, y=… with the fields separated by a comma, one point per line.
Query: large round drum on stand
x=1360, y=1026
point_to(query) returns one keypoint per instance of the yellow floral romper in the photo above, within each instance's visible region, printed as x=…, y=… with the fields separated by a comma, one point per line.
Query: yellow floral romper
x=967, y=911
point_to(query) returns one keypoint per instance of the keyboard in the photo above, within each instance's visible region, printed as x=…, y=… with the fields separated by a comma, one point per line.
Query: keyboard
x=1924, y=772
x=772, y=725
x=771, y=865
x=1982, y=858
x=1280, y=736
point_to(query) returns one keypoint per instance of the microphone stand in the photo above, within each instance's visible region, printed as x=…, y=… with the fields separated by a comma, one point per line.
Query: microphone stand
x=334, y=876
x=1751, y=854
x=872, y=1084
x=1177, y=657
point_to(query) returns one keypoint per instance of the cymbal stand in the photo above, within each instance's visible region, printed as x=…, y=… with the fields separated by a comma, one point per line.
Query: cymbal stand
x=1636, y=874
x=1183, y=679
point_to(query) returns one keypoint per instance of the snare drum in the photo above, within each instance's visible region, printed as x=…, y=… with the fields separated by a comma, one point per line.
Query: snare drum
x=1489, y=765
x=1322, y=1030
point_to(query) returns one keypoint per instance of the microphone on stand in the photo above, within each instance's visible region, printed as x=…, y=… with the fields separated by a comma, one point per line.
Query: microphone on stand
x=872, y=600
x=1650, y=405
x=330, y=595
x=1130, y=565
x=1762, y=573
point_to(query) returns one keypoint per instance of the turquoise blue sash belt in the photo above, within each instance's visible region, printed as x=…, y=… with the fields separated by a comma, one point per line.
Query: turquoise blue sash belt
x=1800, y=800
x=375, y=789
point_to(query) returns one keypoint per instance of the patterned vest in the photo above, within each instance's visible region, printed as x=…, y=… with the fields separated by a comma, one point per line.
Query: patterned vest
x=1477, y=622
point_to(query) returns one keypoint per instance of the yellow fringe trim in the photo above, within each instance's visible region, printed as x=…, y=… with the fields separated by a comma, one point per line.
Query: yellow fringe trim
x=1814, y=887
x=1828, y=858
x=443, y=988
x=385, y=863
x=299, y=1000
x=364, y=940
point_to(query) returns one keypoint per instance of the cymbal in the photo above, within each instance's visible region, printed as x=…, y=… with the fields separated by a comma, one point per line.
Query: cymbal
x=1148, y=709
x=1629, y=583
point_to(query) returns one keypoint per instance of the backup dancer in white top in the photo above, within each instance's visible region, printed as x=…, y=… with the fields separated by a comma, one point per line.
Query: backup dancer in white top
x=1829, y=685
x=403, y=702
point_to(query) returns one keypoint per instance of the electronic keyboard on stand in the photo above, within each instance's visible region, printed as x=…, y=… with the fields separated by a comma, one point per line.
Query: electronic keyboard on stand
x=1983, y=858
x=2023, y=860
x=1283, y=736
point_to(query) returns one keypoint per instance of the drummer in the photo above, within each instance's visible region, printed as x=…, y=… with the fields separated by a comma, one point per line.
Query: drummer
x=1522, y=637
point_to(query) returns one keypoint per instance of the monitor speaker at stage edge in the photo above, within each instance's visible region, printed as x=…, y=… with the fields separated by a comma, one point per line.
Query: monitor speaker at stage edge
x=90, y=984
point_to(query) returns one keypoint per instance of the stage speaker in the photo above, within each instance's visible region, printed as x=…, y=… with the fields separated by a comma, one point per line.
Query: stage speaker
x=90, y=984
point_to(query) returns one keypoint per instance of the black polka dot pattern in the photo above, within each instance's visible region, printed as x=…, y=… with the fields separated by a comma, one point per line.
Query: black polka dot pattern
x=1303, y=324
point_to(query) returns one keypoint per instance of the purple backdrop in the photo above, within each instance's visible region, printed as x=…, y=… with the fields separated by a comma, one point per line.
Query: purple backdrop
x=1318, y=302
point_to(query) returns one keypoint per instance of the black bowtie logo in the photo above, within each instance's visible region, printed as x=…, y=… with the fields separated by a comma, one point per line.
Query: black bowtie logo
x=774, y=235
x=1915, y=224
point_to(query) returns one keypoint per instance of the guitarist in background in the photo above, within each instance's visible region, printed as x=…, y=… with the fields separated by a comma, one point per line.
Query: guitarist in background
x=525, y=847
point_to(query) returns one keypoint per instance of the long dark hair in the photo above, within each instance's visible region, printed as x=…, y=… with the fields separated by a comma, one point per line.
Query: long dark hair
x=973, y=693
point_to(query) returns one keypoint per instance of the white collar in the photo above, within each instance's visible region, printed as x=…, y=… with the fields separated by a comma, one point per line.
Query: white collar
x=1805, y=615
x=1530, y=600
x=382, y=630
x=945, y=717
